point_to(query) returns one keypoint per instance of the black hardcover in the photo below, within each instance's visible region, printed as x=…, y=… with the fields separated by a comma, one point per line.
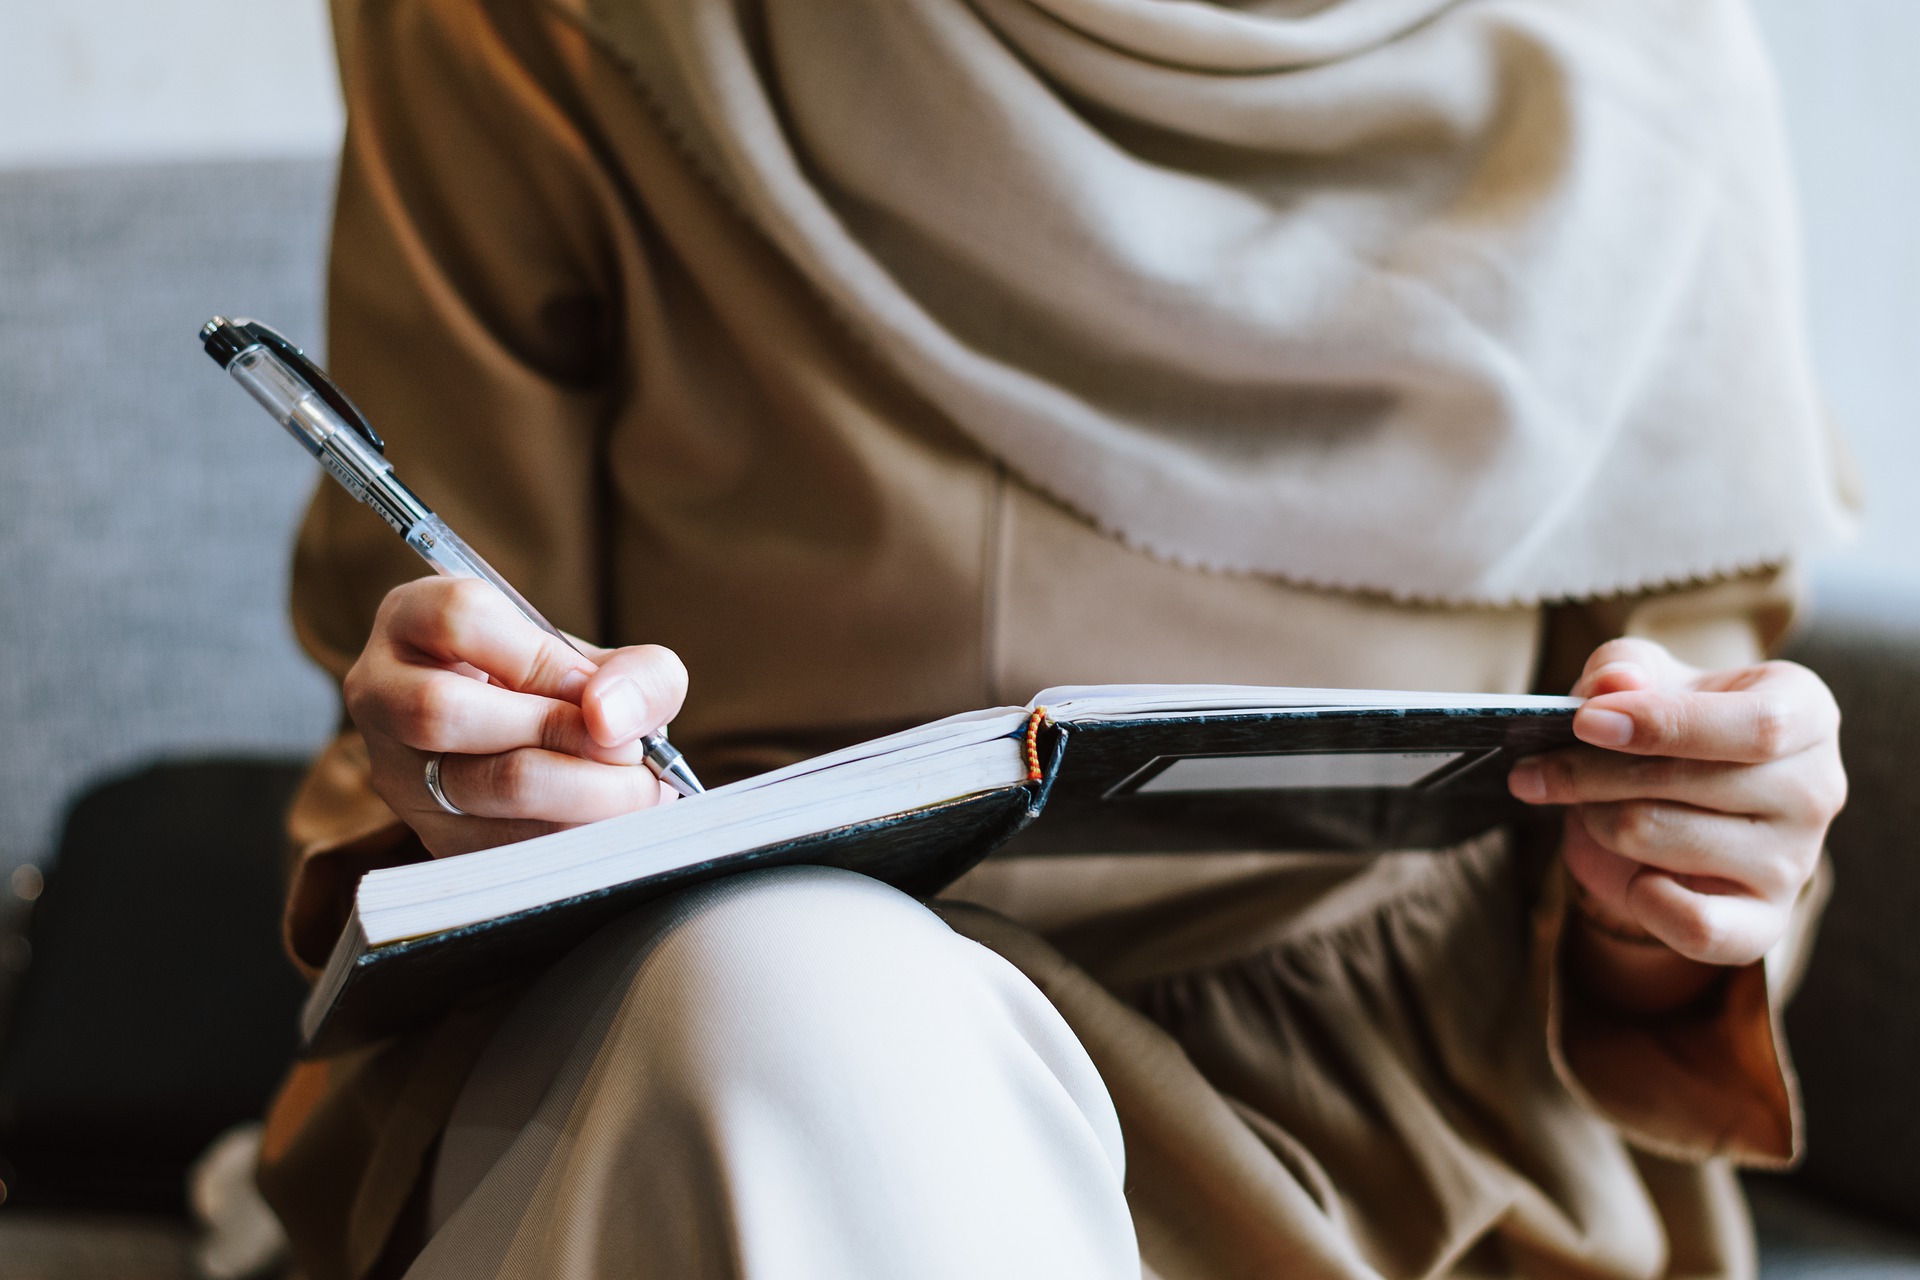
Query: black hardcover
x=1091, y=797
x=399, y=985
x=1091, y=810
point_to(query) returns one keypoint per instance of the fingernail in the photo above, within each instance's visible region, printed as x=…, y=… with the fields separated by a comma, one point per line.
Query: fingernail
x=1528, y=781
x=1603, y=728
x=623, y=710
x=1633, y=669
x=573, y=684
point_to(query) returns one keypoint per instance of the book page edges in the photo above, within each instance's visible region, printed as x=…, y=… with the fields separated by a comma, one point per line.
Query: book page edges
x=329, y=1024
x=347, y=950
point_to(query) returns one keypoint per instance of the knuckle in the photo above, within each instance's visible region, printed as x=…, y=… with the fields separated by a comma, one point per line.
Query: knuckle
x=429, y=631
x=1561, y=777
x=424, y=715
x=512, y=777
x=1822, y=793
x=544, y=668
x=1772, y=728
x=1624, y=649
x=561, y=729
x=1660, y=774
x=1823, y=708
x=462, y=611
x=354, y=691
x=1602, y=822
x=555, y=666
x=1804, y=678
x=1805, y=867
x=1696, y=931
x=1639, y=827
x=1781, y=877
x=1662, y=721
x=1788, y=670
x=1838, y=789
x=1797, y=798
x=392, y=604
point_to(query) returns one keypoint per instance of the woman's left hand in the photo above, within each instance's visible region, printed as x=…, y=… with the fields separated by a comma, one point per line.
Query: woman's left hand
x=1698, y=810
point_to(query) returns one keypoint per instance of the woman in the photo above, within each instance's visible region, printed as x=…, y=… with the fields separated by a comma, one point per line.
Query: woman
x=886, y=361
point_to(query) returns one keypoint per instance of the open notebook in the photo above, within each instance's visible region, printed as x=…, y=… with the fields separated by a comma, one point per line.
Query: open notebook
x=1109, y=768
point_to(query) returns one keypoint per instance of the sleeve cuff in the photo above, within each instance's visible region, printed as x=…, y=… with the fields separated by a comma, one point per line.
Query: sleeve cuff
x=1713, y=1080
x=339, y=830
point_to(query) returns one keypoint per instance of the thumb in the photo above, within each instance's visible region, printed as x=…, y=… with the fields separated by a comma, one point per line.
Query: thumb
x=635, y=691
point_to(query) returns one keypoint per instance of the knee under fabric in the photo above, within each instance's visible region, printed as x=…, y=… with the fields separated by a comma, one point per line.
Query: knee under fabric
x=801, y=1067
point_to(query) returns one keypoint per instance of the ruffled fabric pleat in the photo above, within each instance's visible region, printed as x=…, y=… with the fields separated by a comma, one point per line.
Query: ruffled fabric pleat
x=1366, y=1089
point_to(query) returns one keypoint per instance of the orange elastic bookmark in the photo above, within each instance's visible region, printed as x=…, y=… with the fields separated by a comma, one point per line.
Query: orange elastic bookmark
x=1033, y=744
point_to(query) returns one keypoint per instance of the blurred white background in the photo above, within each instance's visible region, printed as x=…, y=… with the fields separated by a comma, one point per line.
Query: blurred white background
x=1853, y=107
x=154, y=80
x=101, y=81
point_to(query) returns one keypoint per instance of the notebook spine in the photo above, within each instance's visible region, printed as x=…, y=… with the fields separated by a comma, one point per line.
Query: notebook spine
x=1046, y=748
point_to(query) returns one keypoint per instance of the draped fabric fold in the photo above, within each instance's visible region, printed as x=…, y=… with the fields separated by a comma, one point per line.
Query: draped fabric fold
x=1484, y=301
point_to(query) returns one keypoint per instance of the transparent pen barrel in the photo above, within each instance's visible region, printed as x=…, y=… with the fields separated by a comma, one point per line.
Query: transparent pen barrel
x=279, y=391
x=451, y=557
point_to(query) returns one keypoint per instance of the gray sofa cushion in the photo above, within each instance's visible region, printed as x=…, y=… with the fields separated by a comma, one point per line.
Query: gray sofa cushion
x=1855, y=1024
x=146, y=505
x=1804, y=1237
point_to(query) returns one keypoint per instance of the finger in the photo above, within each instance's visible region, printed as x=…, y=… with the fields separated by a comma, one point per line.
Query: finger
x=1712, y=927
x=1779, y=714
x=1804, y=790
x=1715, y=849
x=1632, y=662
x=445, y=621
x=431, y=709
x=635, y=691
x=1604, y=874
x=546, y=786
x=399, y=778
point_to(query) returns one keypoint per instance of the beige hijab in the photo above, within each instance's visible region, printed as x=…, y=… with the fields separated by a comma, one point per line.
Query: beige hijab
x=1482, y=301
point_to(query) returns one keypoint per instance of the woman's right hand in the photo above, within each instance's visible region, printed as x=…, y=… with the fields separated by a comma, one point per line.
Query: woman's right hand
x=536, y=737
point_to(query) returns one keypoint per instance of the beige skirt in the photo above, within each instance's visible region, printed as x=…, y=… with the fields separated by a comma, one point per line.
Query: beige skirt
x=1332, y=1066
x=1315, y=1065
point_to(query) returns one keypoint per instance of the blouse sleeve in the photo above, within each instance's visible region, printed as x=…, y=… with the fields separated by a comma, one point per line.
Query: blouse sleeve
x=1713, y=1080
x=469, y=316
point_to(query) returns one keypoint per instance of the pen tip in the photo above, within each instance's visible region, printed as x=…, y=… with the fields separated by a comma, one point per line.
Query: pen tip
x=676, y=774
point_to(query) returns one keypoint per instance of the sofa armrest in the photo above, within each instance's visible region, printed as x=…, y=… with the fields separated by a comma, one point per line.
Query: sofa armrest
x=1853, y=1025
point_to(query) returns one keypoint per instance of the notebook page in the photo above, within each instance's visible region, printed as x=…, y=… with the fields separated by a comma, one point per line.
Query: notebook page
x=401, y=902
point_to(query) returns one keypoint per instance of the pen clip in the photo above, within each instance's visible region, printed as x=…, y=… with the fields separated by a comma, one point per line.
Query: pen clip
x=317, y=378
